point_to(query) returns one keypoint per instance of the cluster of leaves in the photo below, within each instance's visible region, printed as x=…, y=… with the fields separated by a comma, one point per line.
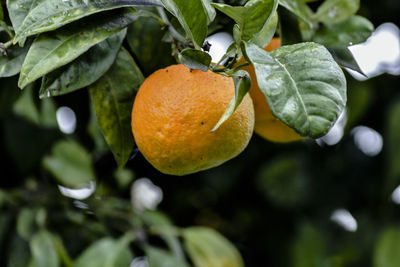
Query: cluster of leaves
x=58, y=47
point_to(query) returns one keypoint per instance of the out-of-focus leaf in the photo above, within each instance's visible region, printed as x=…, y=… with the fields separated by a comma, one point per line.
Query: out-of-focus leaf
x=210, y=11
x=162, y=258
x=42, y=113
x=303, y=85
x=52, y=50
x=289, y=27
x=298, y=7
x=43, y=251
x=167, y=231
x=93, y=128
x=106, y=252
x=84, y=70
x=113, y=96
x=309, y=248
x=206, y=247
x=48, y=15
x=5, y=226
x=1, y=13
x=242, y=83
x=336, y=11
x=18, y=252
x=283, y=181
x=9, y=93
x=387, y=247
x=353, y=31
x=12, y=62
x=145, y=40
x=70, y=164
x=26, y=223
x=392, y=142
x=252, y=18
x=124, y=177
x=195, y=59
x=359, y=98
x=191, y=16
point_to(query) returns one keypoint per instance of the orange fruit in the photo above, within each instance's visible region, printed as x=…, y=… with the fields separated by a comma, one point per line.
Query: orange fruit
x=266, y=125
x=172, y=116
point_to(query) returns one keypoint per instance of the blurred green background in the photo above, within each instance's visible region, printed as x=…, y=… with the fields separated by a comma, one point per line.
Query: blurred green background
x=303, y=205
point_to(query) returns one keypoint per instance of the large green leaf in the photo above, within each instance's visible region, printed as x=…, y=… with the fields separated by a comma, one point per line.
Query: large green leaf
x=11, y=63
x=162, y=258
x=18, y=9
x=145, y=38
x=55, y=49
x=84, y=70
x=43, y=250
x=386, y=252
x=210, y=11
x=191, y=16
x=207, y=247
x=353, y=31
x=49, y=14
x=336, y=11
x=298, y=7
x=70, y=164
x=106, y=252
x=113, y=96
x=252, y=18
x=304, y=86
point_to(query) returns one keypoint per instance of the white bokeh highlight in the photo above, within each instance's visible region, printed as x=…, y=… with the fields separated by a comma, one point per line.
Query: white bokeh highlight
x=220, y=43
x=145, y=195
x=79, y=193
x=367, y=140
x=66, y=120
x=344, y=218
x=139, y=262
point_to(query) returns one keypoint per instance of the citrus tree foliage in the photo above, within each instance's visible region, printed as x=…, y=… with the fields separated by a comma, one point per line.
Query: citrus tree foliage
x=54, y=48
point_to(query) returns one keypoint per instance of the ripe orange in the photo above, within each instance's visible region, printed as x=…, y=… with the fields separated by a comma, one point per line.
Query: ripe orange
x=266, y=125
x=172, y=116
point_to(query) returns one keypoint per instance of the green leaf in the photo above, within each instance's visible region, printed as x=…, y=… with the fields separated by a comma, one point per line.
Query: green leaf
x=18, y=252
x=48, y=15
x=206, y=247
x=162, y=258
x=1, y=13
x=192, y=16
x=55, y=49
x=345, y=58
x=303, y=85
x=145, y=38
x=336, y=11
x=113, y=96
x=210, y=11
x=43, y=251
x=11, y=63
x=84, y=70
x=300, y=8
x=353, y=31
x=18, y=9
x=289, y=27
x=267, y=32
x=386, y=252
x=106, y=252
x=26, y=223
x=242, y=82
x=70, y=164
x=251, y=18
x=195, y=59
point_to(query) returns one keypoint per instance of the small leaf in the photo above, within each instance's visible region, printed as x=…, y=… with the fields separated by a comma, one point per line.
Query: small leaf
x=195, y=59
x=304, y=86
x=11, y=63
x=206, y=247
x=113, y=96
x=84, y=70
x=336, y=11
x=70, y=164
x=162, y=258
x=386, y=252
x=192, y=16
x=242, y=82
x=48, y=15
x=353, y=31
x=43, y=251
x=345, y=58
x=267, y=32
x=106, y=252
x=298, y=7
x=210, y=11
x=55, y=49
